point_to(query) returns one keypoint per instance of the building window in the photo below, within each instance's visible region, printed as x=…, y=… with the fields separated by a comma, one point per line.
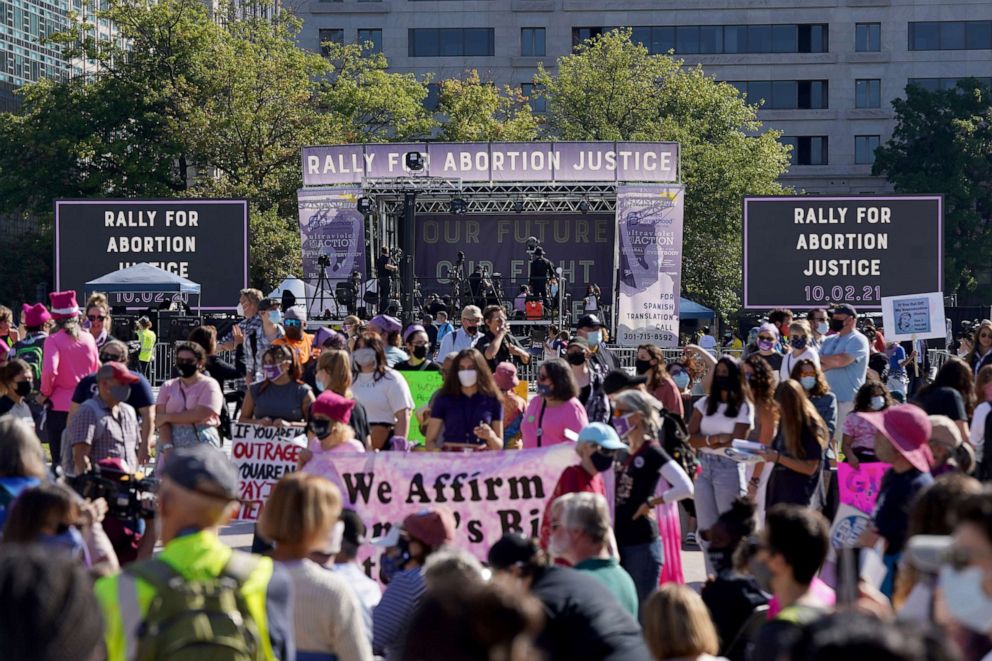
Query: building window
x=786, y=94
x=451, y=42
x=868, y=93
x=868, y=37
x=807, y=149
x=332, y=36
x=532, y=42
x=950, y=35
x=864, y=149
x=722, y=39
x=371, y=36
x=538, y=102
x=944, y=84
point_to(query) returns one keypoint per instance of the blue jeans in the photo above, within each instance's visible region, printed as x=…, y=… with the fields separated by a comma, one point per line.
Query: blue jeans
x=718, y=484
x=643, y=563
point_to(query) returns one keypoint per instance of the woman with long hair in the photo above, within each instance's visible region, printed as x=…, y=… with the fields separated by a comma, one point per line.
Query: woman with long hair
x=650, y=361
x=300, y=516
x=69, y=355
x=22, y=462
x=797, y=454
x=761, y=380
x=809, y=375
x=951, y=393
x=724, y=414
x=468, y=407
x=858, y=435
x=981, y=347
x=98, y=318
x=556, y=415
x=646, y=479
x=983, y=394
x=282, y=399
x=220, y=370
x=187, y=412
x=334, y=375
x=383, y=392
x=16, y=383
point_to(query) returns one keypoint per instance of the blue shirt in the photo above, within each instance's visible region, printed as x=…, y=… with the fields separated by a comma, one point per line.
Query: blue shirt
x=141, y=391
x=463, y=414
x=895, y=362
x=845, y=381
x=392, y=616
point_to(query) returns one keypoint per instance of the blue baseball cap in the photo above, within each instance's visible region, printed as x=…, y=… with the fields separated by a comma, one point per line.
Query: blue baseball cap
x=602, y=435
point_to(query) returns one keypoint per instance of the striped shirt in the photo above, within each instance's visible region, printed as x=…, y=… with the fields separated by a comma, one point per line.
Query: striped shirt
x=392, y=616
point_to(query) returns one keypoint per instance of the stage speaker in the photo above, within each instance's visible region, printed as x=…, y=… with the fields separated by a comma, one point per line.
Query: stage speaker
x=345, y=294
x=174, y=326
x=222, y=322
x=122, y=326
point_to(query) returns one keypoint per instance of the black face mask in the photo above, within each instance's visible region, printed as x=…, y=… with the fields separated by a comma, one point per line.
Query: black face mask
x=837, y=325
x=471, y=330
x=23, y=388
x=420, y=352
x=720, y=559
x=601, y=462
x=575, y=359
x=294, y=333
x=642, y=366
x=186, y=370
x=720, y=383
x=319, y=428
x=108, y=358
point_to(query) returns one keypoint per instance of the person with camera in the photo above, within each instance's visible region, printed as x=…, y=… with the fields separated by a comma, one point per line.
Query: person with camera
x=159, y=603
x=498, y=344
x=106, y=425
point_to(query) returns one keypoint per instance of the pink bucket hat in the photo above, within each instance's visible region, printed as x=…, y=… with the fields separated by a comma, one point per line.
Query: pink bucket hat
x=908, y=428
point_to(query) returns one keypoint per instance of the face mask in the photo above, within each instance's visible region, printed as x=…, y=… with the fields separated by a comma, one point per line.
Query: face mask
x=186, y=370
x=321, y=386
x=319, y=428
x=544, y=389
x=575, y=359
x=241, y=310
x=364, y=357
x=720, y=383
x=798, y=342
x=822, y=328
x=271, y=372
x=294, y=333
x=106, y=358
x=623, y=425
x=557, y=545
x=762, y=574
x=471, y=330
x=87, y=324
x=877, y=402
x=420, y=352
x=808, y=382
x=120, y=392
x=71, y=540
x=601, y=462
x=970, y=606
x=642, y=366
x=392, y=564
x=727, y=336
x=765, y=345
x=594, y=338
x=836, y=325
x=468, y=378
x=275, y=316
x=720, y=559
x=23, y=388
x=681, y=380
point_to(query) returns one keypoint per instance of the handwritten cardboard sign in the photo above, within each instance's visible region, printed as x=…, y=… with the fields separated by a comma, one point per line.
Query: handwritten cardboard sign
x=262, y=455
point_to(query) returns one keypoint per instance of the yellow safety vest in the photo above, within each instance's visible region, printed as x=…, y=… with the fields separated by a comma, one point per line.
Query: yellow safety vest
x=147, y=339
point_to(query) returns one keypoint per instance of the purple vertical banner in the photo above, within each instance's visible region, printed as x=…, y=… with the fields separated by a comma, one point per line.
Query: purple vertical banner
x=331, y=225
x=649, y=229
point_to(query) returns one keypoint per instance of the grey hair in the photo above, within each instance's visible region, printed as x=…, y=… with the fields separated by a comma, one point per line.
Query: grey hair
x=452, y=569
x=586, y=512
x=637, y=401
x=116, y=344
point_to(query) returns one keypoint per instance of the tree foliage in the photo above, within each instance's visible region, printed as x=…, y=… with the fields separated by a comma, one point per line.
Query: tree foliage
x=477, y=111
x=942, y=143
x=612, y=89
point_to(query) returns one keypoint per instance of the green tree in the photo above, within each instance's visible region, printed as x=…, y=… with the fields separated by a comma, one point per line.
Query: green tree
x=275, y=251
x=477, y=111
x=942, y=143
x=613, y=89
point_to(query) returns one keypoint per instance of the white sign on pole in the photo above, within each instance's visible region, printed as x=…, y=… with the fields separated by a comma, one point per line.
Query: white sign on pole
x=914, y=317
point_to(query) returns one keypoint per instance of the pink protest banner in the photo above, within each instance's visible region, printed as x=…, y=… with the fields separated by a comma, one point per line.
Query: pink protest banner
x=490, y=493
x=859, y=488
x=262, y=455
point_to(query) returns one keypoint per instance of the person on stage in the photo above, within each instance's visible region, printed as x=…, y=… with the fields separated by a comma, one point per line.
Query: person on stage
x=384, y=269
x=540, y=269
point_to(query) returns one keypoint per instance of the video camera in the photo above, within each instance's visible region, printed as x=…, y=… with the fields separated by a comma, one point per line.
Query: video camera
x=129, y=496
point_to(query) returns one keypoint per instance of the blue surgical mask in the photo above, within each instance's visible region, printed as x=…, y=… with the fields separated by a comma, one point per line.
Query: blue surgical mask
x=320, y=385
x=877, y=402
x=808, y=382
x=798, y=342
x=822, y=328
x=275, y=316
x=594, y=338
x=544, y=389
x=71, y=540
x=681, y=380
x=970, y=606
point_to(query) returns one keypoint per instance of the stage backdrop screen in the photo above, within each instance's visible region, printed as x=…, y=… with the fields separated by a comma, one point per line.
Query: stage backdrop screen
x=581, y=244
x=203, y=240
x=805, y=252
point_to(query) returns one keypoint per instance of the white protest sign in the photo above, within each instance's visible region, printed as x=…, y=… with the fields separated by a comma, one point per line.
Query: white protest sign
x=914, y=317
x=262, y=455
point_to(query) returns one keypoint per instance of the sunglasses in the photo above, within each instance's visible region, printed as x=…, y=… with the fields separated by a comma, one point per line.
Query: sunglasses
x=94, y=317
x=797, y=337
x=292, y=323
x=985, y=335
x=766, y=337
x=543, y=377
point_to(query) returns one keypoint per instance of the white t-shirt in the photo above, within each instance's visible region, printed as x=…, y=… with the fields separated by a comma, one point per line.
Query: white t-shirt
x=789, y=361
x=719, y=423
x=384, y=397
x=978, y=429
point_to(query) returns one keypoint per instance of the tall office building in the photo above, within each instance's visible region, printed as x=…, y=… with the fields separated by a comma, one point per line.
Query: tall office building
x=826, y=69
x=24, y=57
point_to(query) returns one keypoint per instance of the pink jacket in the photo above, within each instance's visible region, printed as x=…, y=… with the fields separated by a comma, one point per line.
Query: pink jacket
x=66, y=362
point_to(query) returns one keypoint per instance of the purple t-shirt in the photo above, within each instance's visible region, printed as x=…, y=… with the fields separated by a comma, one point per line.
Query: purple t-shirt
x=463, y=414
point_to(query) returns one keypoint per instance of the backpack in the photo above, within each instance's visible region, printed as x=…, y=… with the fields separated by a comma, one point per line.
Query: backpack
x=191, y=620
x=30, y=351
x=675, y=441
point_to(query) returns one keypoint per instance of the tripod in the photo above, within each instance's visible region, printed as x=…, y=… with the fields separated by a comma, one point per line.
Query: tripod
x=456, y=276
x=323, y=291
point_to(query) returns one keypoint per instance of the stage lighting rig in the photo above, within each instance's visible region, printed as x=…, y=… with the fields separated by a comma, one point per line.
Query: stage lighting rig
x=365, y=206
x=459, y=206
x=584, y=206
x=414, y=161
x=518, y=206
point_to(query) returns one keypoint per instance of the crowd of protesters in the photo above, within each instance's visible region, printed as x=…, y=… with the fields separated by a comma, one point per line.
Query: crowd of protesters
x=740, y=453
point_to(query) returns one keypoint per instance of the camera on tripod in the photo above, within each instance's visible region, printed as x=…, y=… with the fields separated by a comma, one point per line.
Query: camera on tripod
x=129, y=496
x=323, y=261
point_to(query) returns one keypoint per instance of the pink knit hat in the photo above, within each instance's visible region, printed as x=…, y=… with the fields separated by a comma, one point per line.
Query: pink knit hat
x=64, y=305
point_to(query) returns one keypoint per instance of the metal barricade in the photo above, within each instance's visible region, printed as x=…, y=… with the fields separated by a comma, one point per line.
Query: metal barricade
x=937, y=358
